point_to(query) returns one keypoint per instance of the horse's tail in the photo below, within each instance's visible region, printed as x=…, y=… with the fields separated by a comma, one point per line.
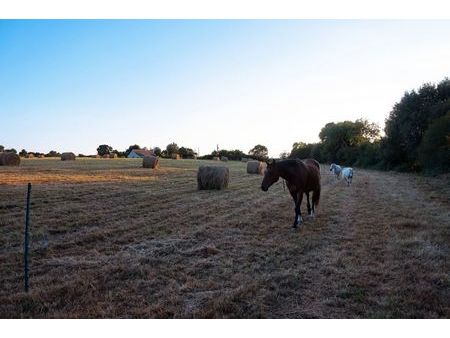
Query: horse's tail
x=316, y=197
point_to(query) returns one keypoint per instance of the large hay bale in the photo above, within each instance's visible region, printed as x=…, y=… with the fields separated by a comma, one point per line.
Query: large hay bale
x=255, y=167
x=150, y=162
x=30, y=156
x=113, y=155
x=216, y=158
x=67, y=157
x=9, y=159
x=224, y=158
x=105, y=156
x=212, y=177
x=176, y=156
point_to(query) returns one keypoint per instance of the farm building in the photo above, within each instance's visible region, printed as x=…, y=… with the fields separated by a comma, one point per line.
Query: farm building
x=139, y=153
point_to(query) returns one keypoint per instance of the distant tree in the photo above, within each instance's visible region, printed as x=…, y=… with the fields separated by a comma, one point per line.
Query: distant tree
x=164, y=154
x=130, y=149
x=23, y=153
x=104, y=149
x=259, y=152
x=186, y=152
x=172, y=148
x=2, y=148
x=12, y=150
x=301, y=150
x=53, y=153
x=341, y=140
x=284, y=155
x=157, y=151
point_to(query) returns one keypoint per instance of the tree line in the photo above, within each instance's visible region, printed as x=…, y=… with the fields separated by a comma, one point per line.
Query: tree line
x=417, y=136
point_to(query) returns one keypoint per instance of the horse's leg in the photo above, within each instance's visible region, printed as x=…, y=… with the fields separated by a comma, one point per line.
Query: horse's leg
x=294, y=197
x=298, y=213
x=308, y=205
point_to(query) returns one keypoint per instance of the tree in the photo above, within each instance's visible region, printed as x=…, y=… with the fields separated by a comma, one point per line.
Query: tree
x=408, y=122
x=341, y=140
x=434, y=151
x=157, y=151
x=186, y=152
x=2, y=148
x=104, y=149
x=259, y=152
x=53, y=153
x=301, y=150
x=284, y=155
x=12, y=150
x=172, y=148
x=130, y=149
x=23, y=153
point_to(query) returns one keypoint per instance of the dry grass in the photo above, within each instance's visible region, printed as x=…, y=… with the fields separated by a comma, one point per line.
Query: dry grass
x=124, y=241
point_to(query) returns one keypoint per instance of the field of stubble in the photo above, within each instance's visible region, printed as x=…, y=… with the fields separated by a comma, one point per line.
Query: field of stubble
x=111, y=239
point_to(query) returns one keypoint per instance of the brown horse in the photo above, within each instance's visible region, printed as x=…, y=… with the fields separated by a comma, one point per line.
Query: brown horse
x=301, y=177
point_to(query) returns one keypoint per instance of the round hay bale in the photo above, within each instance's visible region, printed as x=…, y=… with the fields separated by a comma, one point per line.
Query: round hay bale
x=212, y=177
x=255, y=167
x=150, y=162
x=9, y=159
x=216, y=158
x=113, y=155
x=41, y=156
x=224, y=158
x=67, y=157
x=175, y=156
x=30, y=156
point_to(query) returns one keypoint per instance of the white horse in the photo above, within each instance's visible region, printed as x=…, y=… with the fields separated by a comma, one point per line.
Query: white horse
x=336, y=169
x=346, y=173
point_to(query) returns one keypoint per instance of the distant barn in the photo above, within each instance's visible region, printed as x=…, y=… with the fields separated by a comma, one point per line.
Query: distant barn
x=140, y=153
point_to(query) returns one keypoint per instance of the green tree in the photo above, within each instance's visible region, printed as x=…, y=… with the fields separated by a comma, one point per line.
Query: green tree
x=172, y=148
x=23, y=153
x=104, y=149
x=408, y=122
x=157, y=151
x=434, y=151
x=259, y=152
x=341, y=140
x=2, y=148
x=300, y=150
x=53, y=153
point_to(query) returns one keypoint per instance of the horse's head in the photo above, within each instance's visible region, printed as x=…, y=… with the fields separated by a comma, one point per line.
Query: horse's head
x=332, y=166
x=271, y=175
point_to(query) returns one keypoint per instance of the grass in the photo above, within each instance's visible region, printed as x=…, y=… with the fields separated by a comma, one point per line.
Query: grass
x=113, y=240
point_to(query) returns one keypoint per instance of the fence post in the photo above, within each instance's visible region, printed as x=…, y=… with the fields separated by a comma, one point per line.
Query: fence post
x=27, y=239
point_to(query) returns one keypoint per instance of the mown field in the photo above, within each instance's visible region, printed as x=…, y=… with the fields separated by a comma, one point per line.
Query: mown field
x=112, y=239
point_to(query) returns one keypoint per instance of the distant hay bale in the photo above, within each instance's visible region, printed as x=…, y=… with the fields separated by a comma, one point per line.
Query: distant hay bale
x=105, y=156
x=216, y=158
x=212, y=177
x=113, y=155
x=244, y=159
x=224, y=158
x=150, y=162
x=255, y=167
x=175, y=156
x=67, y=157
x=9, y=159
x=41, y=156
x=30, y=156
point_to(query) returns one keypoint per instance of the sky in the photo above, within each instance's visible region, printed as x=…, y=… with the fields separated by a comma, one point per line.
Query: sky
x=71, y=85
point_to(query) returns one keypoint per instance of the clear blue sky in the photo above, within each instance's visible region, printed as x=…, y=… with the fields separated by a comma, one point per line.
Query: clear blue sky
x=72, y=85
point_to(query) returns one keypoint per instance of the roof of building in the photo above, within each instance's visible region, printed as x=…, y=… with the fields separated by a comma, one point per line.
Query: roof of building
x=142, y=152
